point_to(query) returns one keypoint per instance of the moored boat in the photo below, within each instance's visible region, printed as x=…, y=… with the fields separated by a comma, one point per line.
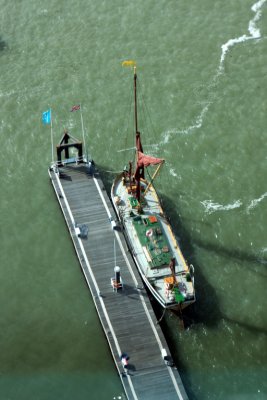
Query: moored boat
x=149, y=234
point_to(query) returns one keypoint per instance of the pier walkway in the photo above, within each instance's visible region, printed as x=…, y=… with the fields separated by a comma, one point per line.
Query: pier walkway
x=126, y=315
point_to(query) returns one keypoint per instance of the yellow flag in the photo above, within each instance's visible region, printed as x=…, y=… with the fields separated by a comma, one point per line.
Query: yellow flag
x=129, y=63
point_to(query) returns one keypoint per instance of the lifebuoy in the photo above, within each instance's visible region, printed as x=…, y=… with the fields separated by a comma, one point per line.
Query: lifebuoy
x=149, y=233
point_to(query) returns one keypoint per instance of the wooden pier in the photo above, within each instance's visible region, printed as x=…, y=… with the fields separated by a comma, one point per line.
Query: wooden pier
x=126, y=314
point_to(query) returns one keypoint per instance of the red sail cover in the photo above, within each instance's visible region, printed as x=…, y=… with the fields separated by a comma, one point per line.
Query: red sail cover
x=145, y=161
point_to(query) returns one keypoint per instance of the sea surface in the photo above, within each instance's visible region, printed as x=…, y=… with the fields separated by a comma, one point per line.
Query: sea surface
x=202, y=70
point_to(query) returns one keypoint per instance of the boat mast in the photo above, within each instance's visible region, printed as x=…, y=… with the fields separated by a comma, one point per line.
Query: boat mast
x=140, y=166
x=139, y=171
x=138, y=143
x=135, y=101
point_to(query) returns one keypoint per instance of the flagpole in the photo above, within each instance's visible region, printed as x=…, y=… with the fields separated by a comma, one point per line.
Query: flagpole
x=52, y=144
x=82, y=127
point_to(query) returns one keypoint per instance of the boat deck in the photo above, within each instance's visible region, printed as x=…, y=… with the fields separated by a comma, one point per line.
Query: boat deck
x=126, y=315
x=154, y=245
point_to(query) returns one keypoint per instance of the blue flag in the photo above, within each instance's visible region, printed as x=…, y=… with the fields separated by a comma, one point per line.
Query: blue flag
x=46, y=117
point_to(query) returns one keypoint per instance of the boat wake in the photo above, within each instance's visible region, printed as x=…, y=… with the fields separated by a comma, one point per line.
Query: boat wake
x=254, y=33
x=253, y=30
x=255, y=202
x=262, y=255
x=172, y=172
x=211, y=207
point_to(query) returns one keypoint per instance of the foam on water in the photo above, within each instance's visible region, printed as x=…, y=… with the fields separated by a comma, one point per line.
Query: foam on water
x=254, y=33
x=211, y=207
x=252, y=28
x=197, y=124
x=255, y=202
x=262, y=255
x=172, y=172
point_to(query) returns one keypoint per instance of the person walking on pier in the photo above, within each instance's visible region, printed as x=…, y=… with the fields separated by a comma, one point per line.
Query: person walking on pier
x=124, y=360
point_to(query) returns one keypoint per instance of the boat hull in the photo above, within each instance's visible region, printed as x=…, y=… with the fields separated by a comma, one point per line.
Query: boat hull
x=154, y=275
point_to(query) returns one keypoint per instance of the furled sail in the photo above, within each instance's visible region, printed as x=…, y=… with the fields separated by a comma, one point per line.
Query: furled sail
x=144, y=160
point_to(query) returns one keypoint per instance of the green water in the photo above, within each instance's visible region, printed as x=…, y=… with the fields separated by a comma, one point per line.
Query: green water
x=208, y=106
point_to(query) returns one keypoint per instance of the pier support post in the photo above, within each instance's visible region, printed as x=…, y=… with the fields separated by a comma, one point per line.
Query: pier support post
x=116, y=282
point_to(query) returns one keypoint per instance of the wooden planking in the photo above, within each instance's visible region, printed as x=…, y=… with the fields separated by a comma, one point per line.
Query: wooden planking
x=126, y=316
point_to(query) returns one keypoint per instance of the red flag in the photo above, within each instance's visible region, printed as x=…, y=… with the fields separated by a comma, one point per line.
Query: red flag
x=75, y=108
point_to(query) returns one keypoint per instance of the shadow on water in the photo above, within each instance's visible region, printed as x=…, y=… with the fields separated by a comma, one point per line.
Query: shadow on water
x=206, y=309
x=248, y=327
x=234, y=254
x=3, y=44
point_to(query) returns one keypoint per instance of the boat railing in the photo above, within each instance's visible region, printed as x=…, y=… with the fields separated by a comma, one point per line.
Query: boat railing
x=71, y=160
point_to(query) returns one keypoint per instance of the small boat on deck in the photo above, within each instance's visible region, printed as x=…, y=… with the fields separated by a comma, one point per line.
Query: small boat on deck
x=149, y=234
